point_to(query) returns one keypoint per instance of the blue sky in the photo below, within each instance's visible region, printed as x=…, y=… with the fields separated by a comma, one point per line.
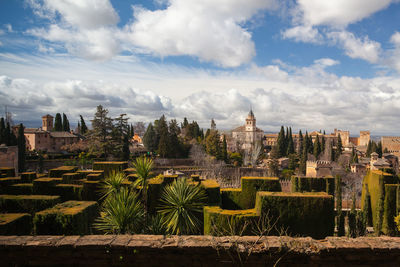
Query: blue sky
x=308, y=64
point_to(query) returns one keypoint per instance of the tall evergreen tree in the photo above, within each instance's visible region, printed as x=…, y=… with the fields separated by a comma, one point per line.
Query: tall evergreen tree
x=317, y=148
x=102, y=129
x=212, y=144
x=185, y=123
x=150, y=139
x=58, y=125
x=174, y=143
x=304, y=156
x=379, y=149
x=164, y=143
x=290, y=148
x=310, y=144
x=21, y=148
x=339, y=148
x=300, y=144
x=84, y=128
x=65, y=123
x=323, y=145
x=2, y=131
x=369, y=149
x=132, y=131
x=213, y=125
x=281, y=147
x=224, y=152
x=7, y=134
x=125, y=148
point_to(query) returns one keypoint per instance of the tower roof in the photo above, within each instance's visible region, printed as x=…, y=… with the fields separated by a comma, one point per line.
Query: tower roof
x=251, y=114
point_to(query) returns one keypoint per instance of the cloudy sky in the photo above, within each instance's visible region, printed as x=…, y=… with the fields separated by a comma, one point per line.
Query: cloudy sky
x=308, y=64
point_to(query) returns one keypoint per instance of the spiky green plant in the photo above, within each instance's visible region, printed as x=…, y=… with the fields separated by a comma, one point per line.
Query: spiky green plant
x=122, y=213
x=143, y=166
x=181, y=206
x=112, y=184
x=156, y=225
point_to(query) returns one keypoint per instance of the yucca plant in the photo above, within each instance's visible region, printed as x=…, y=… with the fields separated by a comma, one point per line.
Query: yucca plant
x=143, y=168
x=181, y=206
x=156, y=225
x=122, y=213
x=112, y=184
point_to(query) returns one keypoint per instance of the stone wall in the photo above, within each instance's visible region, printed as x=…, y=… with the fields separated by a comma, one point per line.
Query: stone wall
x=9, y=157
x=147, y=250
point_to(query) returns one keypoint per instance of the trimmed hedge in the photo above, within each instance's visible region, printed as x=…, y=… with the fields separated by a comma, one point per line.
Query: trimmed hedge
x=20, y=189
x=304, y=214
x=68, y=218
x=129, y=171
x=15, y=224
x=71, y=177
x=58, y=172
x=195, y=178
x=213, y=192
x=28, y=177
x=85, y=173
x=5, y=182
x=27, y=203
x=94, y=177
x=8, y=172
x=69, y=191
x=374, y=181
x=312, y=184
x=154, y=191
x=109, y=167
x=221, y=222
x=389, y=226
x=45, y=186
x=244, y=198
x=168, y=179
x=91, y=190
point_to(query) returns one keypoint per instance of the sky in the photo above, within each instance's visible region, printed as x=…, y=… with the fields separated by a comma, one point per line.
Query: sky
x=308, y=64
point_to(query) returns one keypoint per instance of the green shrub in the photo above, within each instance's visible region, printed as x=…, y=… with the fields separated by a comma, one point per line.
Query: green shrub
x=28, y=177
x=8, y=172
x=27, y=203
x=20, y=189
x=305, y=214
x=154, y=191
x=91, y=190
x=94, y=177
x=45, y=186
x=5, y=182
x=69, y=191
x=213, y=193
x=85, y=173
x=68, y=218
x=15, y=224
x=71, y=177
x=388, y=225
x=245, y=197
x=312, y=184
x=58, y=172
x=109, y=167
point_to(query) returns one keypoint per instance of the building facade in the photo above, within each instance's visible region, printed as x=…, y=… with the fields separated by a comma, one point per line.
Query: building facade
x=244, y=137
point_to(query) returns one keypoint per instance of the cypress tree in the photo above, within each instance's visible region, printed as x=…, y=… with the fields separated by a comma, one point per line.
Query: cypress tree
x=174, y=143
x=224, y=153
x=339, y=213
x=317, y=148
x=150, y=139
x=58, y=126
x=7, y=135
x=290, y=149
x=379, y=149
x=125, y=148
x=2, y=131
x=84, y=128
x=300, y=144
x=40, y=163
x=164, y=142
x=323, y=145
x=352, y=218
x=310, y=144
x=281, y=143
x=185, y=123
x=79, y=127
x=132, y=133
x=21, y=148
x=339, y=148
x=380, y=208
x=65, y=123
x=304, y=156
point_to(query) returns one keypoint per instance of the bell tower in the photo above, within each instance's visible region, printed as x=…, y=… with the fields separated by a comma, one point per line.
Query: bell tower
x=251, y=122
x=47, y=122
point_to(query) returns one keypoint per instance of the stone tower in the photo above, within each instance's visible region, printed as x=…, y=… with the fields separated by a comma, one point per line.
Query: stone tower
x=47, y=122
x=250, y=129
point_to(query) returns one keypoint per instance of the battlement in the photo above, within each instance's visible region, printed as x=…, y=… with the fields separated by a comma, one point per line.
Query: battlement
x=318, y=163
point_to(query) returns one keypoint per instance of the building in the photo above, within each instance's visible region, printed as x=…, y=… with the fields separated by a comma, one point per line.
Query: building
x=9, y=156
x=244, y=137
x=378, y=163
x=318, y=168
x=391, y=144
x=45, y=139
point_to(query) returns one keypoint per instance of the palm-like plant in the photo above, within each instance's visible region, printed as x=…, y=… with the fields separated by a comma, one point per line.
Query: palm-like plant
x=143, y=168
x=181, y=205
x=122, y=213
x=112, y=184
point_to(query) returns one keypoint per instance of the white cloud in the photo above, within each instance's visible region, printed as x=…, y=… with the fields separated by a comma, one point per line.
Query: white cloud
x=338, y=13
x=8, y=26
x=303, y=33
x=394, y=53
x=354, y=47
x=209, y=30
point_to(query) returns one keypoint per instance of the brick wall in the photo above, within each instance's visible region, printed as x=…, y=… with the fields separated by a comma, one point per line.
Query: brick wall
x=147, y=250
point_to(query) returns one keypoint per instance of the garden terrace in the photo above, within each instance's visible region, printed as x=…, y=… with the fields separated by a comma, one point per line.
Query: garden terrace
x=27, y=203
x=58, y=172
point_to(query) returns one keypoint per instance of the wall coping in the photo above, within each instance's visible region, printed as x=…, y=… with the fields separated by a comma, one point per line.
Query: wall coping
x=98, y=250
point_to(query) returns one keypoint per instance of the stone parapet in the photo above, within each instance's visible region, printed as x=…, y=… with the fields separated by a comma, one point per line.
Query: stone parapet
x=150, y=250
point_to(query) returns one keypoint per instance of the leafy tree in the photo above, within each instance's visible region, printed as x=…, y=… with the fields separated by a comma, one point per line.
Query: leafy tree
x=150, y=138
x=236, y=159
x=292, y=161
x=182, y=206
x=65, y=123
x=212, y=144
x=100, y=136
x=21, y=148
x=58, y=124
x=83, y=129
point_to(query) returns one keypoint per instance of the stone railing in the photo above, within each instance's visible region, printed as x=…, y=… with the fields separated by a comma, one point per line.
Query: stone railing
x=148, y=250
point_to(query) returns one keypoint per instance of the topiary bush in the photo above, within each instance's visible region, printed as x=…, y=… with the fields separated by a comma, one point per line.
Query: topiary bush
x=58, y=172
x=27, y=203
x=15, y=224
